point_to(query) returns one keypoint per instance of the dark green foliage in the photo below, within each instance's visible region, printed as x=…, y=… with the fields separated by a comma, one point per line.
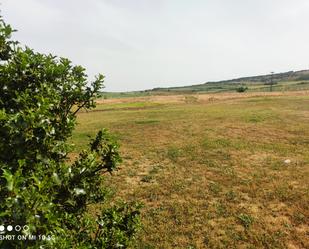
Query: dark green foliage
x=241, y=89
x=40, y=96
x=5, y=43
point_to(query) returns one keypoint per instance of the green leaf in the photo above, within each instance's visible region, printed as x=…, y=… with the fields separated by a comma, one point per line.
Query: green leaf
x=9, y=179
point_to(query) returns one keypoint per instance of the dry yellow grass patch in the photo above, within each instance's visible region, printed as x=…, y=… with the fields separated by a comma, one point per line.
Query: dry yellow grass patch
x=169, y=99
x=212, y=174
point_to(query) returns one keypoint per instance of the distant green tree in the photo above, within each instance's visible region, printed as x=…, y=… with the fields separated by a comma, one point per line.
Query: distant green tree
x=241, y=89
x=41, y=190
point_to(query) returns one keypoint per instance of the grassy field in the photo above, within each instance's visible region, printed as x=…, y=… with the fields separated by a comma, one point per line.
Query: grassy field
x=217, y=172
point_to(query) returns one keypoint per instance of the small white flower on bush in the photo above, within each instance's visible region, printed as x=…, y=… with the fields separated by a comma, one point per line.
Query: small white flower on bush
x=79, y=191
x=287, y=161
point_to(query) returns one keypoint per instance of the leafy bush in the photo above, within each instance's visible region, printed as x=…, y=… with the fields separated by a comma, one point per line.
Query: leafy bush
x=41, y=190
x=241, y=89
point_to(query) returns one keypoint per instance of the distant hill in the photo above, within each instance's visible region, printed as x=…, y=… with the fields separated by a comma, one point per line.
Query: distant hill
x=287, y=81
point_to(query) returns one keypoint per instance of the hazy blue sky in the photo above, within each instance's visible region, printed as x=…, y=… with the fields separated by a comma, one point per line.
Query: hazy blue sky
x=141, y=44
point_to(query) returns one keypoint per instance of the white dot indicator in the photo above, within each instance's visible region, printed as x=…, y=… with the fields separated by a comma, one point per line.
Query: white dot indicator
x=25, y=228
x=2, y=228
x=9, y=228
x=17, y=228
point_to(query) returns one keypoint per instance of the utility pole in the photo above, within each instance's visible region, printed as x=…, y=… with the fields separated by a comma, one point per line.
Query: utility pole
x=271, y=81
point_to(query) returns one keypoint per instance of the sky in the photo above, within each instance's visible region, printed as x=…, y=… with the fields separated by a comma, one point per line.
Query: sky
x=142, y=44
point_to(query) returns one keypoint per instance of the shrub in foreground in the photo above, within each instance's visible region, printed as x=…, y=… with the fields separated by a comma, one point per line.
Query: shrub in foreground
x=44, y=196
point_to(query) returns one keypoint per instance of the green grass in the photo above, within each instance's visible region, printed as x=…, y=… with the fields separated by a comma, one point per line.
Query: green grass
x=212, y=175
x=149, y=121
x=130, y=105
